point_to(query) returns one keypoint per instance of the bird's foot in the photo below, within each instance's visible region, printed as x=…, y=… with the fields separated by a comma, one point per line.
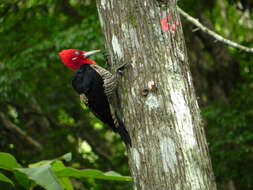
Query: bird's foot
x=109, y=64
x=120, y=68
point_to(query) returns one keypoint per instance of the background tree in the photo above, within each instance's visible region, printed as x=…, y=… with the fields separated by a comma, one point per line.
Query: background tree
x=36, y=95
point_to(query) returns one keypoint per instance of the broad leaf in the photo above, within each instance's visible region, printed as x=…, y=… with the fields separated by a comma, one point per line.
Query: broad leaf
x=67, y=157
x=40, y=163
x=64, y=181
x=5, y=179
x=8, y=162
x=43, y=176
x=91, y=173
x=22, y=179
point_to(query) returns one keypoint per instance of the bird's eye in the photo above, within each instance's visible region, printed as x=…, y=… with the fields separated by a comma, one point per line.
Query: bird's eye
x=77, y=52
x=74, y=58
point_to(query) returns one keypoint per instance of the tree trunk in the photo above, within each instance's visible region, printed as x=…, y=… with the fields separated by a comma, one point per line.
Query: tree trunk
x=158, y=101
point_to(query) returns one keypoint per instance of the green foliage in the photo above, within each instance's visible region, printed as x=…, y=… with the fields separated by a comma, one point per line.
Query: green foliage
x=43, y=175
x=8, y=162
x=52, y=174
x=91, y=173
x=32, y=33
x=229, y=124
x=230, y=132
x=5, y=179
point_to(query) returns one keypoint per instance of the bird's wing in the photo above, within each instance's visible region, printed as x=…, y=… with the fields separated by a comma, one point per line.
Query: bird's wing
x=93, y=95
x=91, y=84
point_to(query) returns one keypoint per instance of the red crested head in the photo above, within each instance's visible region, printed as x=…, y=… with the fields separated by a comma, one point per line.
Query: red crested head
x=74, y=58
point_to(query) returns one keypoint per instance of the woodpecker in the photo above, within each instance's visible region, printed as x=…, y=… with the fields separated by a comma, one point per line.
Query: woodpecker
x=96, y=87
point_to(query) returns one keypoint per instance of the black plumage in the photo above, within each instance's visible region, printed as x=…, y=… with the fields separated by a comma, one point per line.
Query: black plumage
x=89, y=83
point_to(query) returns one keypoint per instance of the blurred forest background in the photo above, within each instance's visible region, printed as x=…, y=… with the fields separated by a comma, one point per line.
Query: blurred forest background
x=41, y=117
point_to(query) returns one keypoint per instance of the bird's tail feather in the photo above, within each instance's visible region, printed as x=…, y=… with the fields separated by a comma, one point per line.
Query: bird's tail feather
x=123, y=132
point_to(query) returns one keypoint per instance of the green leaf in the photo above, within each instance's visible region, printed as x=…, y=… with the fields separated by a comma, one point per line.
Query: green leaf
x=67, y=157
x=64, y=181
x=43, y=176
x=22, y=179
x=5, y=179
x=40, y=163
x=8, y=162
x=91, y=173
x=57, y=166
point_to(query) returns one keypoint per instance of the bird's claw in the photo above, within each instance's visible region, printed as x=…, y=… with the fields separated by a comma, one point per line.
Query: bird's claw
x=121, y=67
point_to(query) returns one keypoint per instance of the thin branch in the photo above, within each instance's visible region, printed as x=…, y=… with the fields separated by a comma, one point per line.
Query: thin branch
x=213, y=34
x=12, y=127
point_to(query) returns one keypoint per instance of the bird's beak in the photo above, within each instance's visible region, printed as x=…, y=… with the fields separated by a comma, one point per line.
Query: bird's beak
x=89, y=53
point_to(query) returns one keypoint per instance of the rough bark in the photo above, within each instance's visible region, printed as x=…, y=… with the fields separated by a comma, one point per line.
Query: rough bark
x=169, y=147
